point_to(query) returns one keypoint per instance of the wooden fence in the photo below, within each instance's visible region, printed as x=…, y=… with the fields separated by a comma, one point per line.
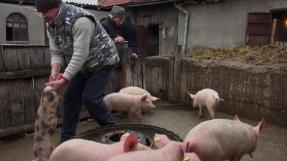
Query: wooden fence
x=23, y=72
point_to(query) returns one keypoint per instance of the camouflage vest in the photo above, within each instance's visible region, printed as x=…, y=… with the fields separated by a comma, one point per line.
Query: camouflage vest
x=102, y=48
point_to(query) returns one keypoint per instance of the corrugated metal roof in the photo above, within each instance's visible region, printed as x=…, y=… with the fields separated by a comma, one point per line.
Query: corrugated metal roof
x=107, y=3
x=31, y=2
x=85, y=2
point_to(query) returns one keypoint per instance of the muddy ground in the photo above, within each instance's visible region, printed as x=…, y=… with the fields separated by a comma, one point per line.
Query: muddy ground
x=272, y=143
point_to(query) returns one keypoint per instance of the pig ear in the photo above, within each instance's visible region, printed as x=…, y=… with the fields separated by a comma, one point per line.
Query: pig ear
x=236, y=118
x=124, y=136
x=259, y=126
x=191, y=95
x=130, y=143
x=185, y=146
x=144, y=97
x=154, y=98
x=160, y=140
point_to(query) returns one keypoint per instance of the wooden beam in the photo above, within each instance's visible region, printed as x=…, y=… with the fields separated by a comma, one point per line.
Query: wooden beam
x=26, y=73
x=21, y=130
x=274, y=23
x=126, y=64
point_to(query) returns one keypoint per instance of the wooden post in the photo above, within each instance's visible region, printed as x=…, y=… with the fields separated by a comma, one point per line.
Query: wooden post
x=274, y=23
x=125, y=64
x=174, y=89
x=171, y=80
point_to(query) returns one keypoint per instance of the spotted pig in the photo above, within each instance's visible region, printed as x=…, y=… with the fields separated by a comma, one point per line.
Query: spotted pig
x=45, y=124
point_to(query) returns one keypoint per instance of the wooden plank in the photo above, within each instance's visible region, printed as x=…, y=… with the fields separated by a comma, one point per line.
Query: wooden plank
x=115, y=83
x=4, y=105
x=36, y=72
x=38, y=87
x=126, y=65
x=258, y=40
x=258, y=28
x=274, y=24
x=28, y=97
x=258, y=17
x=2, y=62
x=47, y=57
x=29, y=128
x=171, y=79
x=11, y=59
x=16, y=103
x=23, y=57
x=36, y=57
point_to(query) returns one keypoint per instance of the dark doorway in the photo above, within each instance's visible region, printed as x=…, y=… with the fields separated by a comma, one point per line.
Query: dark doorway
x=279, y=17
x=153, y=40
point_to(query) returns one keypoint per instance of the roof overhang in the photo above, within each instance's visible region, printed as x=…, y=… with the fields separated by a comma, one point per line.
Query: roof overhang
x=148, y=3
x=88, y=4
x=24, y=2
x=138, y=3
x=134, y=3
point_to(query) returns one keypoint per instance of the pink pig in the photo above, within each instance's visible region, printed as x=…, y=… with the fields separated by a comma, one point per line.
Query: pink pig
x=134, y=90
x=133, y=104
x=85, y=150
x=160, y=140
x=223, y=139
x=208, y=98
x=173, y=151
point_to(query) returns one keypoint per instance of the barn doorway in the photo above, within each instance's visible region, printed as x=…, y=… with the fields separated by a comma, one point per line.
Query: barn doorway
x=279, y=27
x=153, y=40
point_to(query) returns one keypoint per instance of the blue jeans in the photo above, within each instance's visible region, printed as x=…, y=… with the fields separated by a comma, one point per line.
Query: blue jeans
x=88, y=88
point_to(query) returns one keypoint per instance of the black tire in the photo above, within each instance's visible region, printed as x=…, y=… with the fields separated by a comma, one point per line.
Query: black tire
x=111, y=134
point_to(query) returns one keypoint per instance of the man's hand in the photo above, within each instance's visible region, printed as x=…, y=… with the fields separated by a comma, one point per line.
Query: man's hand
x=134, y=56
x=59, y=83
x=119, y=39
x=55, y=72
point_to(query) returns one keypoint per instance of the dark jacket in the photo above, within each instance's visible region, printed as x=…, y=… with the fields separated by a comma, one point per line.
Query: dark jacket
x=110, y=27
x=127, y=31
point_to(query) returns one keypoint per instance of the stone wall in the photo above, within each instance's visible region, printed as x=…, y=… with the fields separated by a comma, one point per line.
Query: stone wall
x=252, y=91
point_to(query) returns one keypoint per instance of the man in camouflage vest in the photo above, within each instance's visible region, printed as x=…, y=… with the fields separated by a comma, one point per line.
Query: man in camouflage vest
x=80, y=45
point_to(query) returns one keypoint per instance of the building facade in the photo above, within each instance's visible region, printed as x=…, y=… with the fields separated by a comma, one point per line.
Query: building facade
x=21, y=24
x=171, y=26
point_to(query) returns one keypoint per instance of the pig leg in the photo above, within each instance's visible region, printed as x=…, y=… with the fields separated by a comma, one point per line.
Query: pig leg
x=211, y=112
x=109, y=106
x=131, y=116
x=135, y=115
x=200, y=111
x=139, y=114
x=235, y=158
x=122, y=113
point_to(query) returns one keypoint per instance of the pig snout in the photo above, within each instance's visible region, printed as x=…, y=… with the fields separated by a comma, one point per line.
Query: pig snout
x=48, y=88
x=191, y=157
x=146, y=102
x=160, y=140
